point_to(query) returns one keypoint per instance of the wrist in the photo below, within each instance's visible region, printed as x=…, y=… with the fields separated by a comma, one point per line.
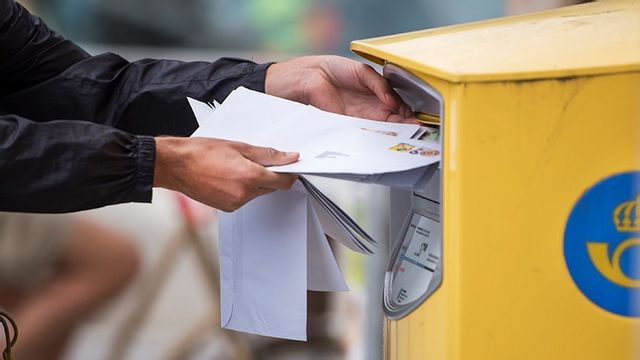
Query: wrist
x=170, y=155
x=284, y=80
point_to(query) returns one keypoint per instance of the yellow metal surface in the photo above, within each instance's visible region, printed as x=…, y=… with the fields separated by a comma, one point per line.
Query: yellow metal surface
x=427, y=118
x=517, y=156
x=575, y=40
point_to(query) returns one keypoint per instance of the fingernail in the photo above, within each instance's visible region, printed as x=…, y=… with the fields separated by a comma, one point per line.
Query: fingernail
x=291, y=153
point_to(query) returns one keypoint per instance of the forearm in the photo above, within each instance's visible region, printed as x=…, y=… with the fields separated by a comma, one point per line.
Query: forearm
x=65, y=166
x=146, y=97
x=222, y=174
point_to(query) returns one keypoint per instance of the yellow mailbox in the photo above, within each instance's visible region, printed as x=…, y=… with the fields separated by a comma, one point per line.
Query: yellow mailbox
x=528, y=237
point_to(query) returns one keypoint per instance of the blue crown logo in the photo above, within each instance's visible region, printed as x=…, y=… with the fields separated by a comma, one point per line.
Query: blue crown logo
x=625, y=219
x=625, y=216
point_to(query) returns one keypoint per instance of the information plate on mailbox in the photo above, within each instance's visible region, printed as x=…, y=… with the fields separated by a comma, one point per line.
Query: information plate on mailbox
x=414, y=271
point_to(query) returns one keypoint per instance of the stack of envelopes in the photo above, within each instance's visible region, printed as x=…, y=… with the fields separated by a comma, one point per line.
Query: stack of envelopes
x=275, y=248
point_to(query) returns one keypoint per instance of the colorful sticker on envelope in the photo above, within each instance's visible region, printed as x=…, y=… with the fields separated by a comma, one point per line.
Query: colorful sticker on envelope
x=414, y=150
x=402, y=147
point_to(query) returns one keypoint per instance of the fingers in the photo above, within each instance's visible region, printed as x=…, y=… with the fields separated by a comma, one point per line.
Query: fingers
x=276, y=181
x=255, y=182
x=395, y=118
x=257, y=193
x=373, y=81
x=268, y=156
x=406, y=111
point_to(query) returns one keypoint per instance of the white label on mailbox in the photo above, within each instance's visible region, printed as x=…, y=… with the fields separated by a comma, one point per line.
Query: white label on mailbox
x=417, y=260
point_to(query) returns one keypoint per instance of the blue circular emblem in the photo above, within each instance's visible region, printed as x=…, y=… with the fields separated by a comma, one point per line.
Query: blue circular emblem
x=602, y=244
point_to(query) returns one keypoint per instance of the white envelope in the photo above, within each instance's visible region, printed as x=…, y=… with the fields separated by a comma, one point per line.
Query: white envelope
x=265, y=248
x=323, y=273
x=263, y=255
x=202, y=111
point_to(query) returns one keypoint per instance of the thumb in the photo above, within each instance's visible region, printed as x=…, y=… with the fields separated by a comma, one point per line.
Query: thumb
x=270, y=156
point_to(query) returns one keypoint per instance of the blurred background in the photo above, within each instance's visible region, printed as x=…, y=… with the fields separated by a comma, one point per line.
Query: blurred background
x=167, y=307
x=254, y=26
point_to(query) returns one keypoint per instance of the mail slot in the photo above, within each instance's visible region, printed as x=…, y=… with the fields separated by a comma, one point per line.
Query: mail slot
x=525, y=244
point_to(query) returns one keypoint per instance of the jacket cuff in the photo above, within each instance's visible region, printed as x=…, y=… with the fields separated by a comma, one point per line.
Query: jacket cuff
x=145, y=161
x=255, y=79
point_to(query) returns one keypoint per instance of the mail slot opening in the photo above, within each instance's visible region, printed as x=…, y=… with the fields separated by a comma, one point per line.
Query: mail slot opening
x=425, y=101
x=414, y=271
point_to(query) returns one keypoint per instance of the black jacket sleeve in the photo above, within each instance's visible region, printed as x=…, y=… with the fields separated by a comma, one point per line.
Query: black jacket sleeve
x=62, y=166
x=75, y=129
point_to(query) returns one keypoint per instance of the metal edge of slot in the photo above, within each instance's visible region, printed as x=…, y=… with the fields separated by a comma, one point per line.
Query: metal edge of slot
x=392, y=312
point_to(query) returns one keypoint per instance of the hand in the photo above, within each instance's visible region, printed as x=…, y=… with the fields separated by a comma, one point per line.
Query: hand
x=339, y=85
x=222, y=174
